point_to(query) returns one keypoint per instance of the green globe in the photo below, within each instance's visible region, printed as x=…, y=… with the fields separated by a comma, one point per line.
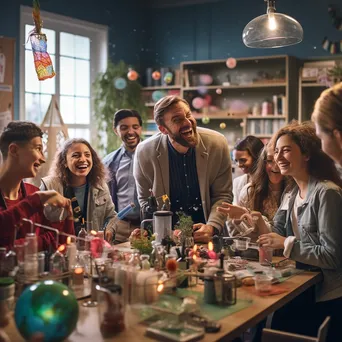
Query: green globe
x=48, y=307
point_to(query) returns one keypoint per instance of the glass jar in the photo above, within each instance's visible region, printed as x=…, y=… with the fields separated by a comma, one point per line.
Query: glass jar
x=145, y=263
x=111, y=310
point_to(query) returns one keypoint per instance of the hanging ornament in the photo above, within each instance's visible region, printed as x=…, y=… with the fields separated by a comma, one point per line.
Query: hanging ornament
x=168, y=77
x=231, y=63
x=42, y=60
x=205, y=79
x=157, y=95
x=198, y=103
x=132, y=75
x=156, y=75
x=120, y=83
x=202, y=90
x=333, y=46
x=205, y=120
x=223, y=125
x=218, y=91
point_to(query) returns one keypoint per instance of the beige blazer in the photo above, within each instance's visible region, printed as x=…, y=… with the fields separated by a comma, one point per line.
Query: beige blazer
x=100, y=207
x=151, y=171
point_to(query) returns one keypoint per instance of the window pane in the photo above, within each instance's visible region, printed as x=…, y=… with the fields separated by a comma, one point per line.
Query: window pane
x=82, y=78
x=67, y=44
x=32, y=107
x=67, y=76
x=67, y=104
x=82, y=110
x=79, y=133
x=48, y=86
x=31, y=78
x=82, y=47
x=44, y=105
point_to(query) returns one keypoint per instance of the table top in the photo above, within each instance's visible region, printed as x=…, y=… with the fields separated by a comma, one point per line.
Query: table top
x=231, y=326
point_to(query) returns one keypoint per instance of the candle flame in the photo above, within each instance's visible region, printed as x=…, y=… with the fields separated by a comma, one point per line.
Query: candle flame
x=210, y=246
x=195, y=248
x=68, y=240
x=61, y=248
x=194, y=257
x=78, y=270
x=93, y=232
x=160, y=288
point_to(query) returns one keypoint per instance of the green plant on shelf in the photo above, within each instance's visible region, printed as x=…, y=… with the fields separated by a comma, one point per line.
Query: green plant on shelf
x=336, y=73
x=108, y=99
x=143, y=244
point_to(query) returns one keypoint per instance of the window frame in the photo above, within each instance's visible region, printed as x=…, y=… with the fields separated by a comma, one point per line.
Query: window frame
x=98, y=35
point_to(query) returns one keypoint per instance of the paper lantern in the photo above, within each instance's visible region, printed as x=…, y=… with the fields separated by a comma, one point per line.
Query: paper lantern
x=156, y=75
x=168, y=77
x=223, y=125
x=218, y=91
x=231, y=63
x=120, y=83
x=157, y=95
x=205, y=120
x=132, y=75
x=198, y=103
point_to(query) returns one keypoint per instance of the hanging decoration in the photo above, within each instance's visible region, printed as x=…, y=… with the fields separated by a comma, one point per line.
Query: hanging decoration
x=231, y=63
x=223, y=125
x=157, y=95
x=42, y=60
x=156, y=75
x=333, y=47
x=205, y=120
x=168, y=77
x=120, y=83
x=132, y=75
x=198, y=103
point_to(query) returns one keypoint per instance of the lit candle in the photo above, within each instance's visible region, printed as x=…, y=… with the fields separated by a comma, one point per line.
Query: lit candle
x=211, y=253
x=71, y=252
x=78, y=276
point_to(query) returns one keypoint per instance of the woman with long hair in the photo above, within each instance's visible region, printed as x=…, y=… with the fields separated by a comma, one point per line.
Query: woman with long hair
x=247, y=152
x=78, y=173
x=307, y=224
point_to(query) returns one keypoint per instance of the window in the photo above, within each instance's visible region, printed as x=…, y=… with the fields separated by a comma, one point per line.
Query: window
x=78, y=51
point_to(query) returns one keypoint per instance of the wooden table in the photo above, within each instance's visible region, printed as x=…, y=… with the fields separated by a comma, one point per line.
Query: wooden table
x=231, y=326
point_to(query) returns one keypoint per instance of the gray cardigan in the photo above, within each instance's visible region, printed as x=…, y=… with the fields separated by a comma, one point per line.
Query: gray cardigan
x=100, y=207
x=319, y=224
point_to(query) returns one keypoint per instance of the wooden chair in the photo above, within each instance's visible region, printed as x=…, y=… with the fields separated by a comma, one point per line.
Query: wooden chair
x=269, y=335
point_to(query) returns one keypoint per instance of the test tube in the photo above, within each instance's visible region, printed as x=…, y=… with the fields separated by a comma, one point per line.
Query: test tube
x=31, y=255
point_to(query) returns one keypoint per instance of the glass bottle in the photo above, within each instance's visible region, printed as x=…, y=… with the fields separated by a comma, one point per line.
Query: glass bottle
x=145, y=264
x=31, y=255
x=2, y=261
x=81, y=239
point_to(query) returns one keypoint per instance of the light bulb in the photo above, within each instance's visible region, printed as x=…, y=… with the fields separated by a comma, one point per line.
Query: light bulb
x=272, y=24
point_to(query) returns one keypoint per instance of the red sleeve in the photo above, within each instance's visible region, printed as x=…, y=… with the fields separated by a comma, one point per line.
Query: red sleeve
x=10, y=218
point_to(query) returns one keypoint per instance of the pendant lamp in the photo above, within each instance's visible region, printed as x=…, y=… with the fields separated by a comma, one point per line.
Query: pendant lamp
x=272, y=30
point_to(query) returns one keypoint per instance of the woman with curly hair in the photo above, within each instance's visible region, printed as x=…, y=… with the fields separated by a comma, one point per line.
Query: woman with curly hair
x=308, y=222
x=78, y=173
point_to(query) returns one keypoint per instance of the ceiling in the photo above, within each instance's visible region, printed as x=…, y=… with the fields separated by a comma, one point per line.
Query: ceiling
x=178, y=3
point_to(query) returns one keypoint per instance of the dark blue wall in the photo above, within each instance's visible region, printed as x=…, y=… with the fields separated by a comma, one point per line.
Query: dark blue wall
x=126, y=33
x=214, y=31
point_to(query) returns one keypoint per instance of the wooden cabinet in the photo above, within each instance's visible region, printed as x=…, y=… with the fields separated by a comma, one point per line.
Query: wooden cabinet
x=256, y=97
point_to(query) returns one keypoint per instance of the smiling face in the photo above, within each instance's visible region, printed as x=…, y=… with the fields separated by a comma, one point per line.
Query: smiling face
x=244, y=161
x=28, y=157
x=79, y=161
x=289, y=158
x=272, y=169
x=129, y=131
x=180, y=125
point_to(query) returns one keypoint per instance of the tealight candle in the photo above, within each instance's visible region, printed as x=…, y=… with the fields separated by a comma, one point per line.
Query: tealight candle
x=78, y=276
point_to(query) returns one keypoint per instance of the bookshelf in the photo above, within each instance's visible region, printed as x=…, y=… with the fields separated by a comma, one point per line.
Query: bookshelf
x=313, y=79
x=257, y=97
x=236, y=96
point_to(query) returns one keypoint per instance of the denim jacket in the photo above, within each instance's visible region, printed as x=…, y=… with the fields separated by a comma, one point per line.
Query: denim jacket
x=319, y=225
x=100, y=208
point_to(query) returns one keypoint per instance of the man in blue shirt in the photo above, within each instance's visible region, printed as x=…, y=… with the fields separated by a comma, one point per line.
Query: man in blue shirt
x=126, y=125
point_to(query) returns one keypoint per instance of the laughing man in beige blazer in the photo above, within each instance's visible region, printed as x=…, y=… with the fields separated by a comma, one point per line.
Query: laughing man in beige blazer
x=189, y=164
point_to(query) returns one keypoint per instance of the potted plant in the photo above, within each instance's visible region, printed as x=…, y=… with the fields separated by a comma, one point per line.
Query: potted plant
x=114, y=91
x=184, y=233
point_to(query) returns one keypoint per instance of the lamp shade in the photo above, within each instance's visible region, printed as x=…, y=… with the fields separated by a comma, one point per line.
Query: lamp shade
x=272, y=30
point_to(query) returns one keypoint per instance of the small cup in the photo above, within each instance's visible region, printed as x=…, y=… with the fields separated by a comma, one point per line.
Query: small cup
x=263, y=283
x=265, y=256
